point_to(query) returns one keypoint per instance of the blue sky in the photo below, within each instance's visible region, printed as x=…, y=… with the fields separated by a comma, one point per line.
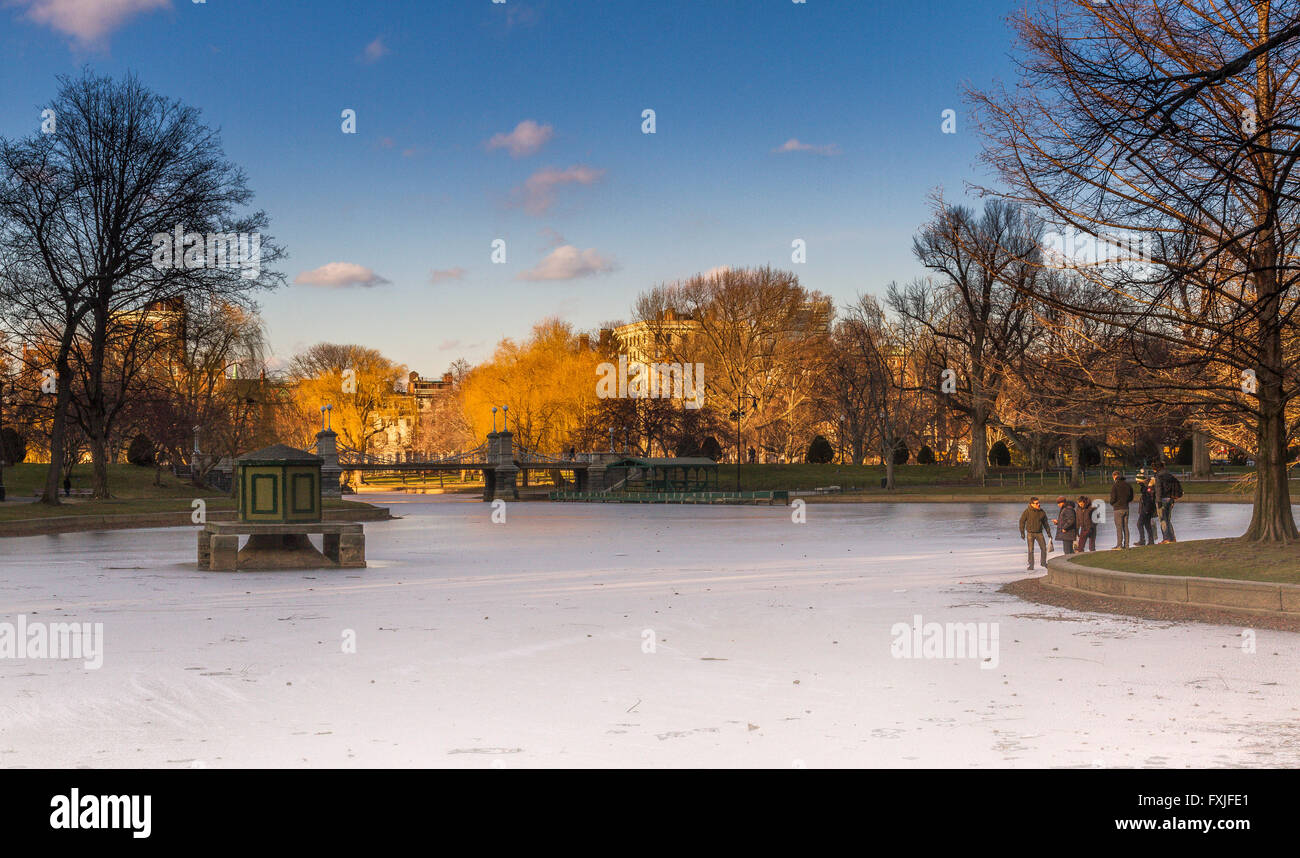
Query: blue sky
x=775, y=121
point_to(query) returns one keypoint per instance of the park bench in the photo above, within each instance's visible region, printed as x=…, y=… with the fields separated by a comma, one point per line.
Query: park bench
x=75, y=493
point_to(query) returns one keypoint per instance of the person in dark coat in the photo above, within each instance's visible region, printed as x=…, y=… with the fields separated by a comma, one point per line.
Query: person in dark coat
x=1121, y=495
x=1087, y=527
x=1147, y=514
x=1067, y=524
x=1165, y=483
x=1033, y=522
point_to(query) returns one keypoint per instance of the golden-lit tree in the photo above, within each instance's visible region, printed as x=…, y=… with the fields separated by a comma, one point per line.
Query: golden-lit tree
x=360, y=383
x=548, y=381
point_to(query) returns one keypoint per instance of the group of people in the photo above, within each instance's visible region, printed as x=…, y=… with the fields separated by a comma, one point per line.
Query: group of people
x=1077, y=521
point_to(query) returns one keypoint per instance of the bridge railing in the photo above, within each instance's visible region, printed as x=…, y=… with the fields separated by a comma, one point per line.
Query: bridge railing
x=355, y=457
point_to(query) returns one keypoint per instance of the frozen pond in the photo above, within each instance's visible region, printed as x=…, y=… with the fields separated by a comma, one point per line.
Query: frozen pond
x=611, y=635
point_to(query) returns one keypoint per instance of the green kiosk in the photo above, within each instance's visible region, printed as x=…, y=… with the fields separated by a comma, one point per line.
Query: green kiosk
x=278, y=493
x=279, y=485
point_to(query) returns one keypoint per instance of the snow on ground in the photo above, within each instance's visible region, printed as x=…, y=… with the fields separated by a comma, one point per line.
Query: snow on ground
x=523, y=644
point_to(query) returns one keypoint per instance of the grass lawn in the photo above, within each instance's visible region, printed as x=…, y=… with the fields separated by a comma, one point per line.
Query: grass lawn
x=1205, y=558
x=127, y=482
x=132, y=487
x=936, y=479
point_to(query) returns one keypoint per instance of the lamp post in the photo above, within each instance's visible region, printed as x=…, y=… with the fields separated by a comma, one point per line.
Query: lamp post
x=737, y=415
x=494, y=418
x=2, y=445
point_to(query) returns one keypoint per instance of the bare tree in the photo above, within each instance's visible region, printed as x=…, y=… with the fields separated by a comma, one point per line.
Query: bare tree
x=975, y=304
x=86, y=206
x=1174, y=126
x=759, y=333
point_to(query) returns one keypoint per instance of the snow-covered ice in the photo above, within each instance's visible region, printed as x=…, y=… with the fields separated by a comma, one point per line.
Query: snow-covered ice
x=524, y=644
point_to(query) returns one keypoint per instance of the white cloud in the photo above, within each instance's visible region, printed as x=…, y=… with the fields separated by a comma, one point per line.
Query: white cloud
x=340, y=274
x=539, y=191
x=569, y=263
x=715, y=271
x=793, y=145
x=375, y=51
x=440, y=274
x=526, y=139
x=87, y=21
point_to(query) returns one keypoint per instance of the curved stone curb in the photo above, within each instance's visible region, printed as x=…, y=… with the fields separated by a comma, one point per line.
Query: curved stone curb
x=880, y=496
x=1255, y=596
x=131, y=521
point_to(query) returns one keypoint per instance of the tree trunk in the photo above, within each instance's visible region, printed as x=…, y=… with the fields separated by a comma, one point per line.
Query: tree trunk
x=979, y=447
x=99, y=467
x=1272, y=520
x=1201, y=468
x=888, y=455
x=58, y=436
x=1076, y=463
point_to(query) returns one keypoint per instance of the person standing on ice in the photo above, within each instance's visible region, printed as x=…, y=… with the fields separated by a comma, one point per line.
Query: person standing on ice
x=1087, y=527
x=1147, y=513
x=1168, y=491
x=1067, y=525
x=1121, y=495
x=1033, y=522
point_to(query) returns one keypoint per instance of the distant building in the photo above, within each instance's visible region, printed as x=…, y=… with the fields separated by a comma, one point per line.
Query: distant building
x=426, y=391
x=655, y=341
x=398, y=428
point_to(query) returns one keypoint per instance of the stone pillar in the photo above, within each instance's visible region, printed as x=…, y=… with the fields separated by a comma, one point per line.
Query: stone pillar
x=507, y=485
x=352, y=550
x=327, y=447
x=500, y=479
x=225, y=552
x=205, y=549
x=330, y=546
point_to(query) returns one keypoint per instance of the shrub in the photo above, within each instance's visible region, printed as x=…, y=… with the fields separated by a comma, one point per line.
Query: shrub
x=141, y=452
x=820, y=451
x=902, y=453
x=925, y=456
x=13, y=446
x=1000, y=455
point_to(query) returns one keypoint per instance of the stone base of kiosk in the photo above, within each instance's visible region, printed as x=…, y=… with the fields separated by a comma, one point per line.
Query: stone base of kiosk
x=280, y=546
